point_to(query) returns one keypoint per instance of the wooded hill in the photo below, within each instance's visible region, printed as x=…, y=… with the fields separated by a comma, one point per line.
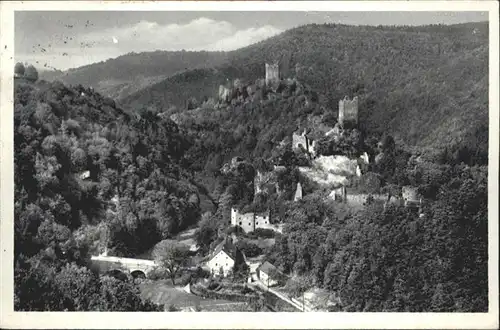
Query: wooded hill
x=88, y=172
x=124, y=75
x=90, y=176
x=427, y=86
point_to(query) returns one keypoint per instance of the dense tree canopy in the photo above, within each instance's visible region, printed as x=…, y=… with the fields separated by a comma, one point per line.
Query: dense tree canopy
x=396, y=259
x=88, y=176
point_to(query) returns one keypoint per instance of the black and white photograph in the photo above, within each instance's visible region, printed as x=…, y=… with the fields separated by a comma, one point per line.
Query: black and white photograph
x=273, y=160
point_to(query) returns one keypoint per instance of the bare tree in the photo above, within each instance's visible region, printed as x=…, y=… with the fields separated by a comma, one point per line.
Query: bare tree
x=172, y=256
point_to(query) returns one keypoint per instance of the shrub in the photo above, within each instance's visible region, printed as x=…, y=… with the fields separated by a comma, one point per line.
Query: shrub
x=19, y=69
x=158, y=274
x=30, y=73
x=184, y=279
x=173, y=308
x=213, y=285
x=249, y=249
x=235, y=230
x=264, y=233
x=201, y=273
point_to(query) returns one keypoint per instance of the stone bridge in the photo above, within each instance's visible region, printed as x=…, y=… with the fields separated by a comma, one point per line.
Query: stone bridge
x=138, y=268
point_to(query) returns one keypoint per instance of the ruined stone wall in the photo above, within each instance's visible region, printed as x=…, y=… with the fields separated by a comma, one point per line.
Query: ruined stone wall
x=410, y=193
x=249, y=221
x=410, y=196
x=348, y=110
x=365, y=159
x=263, y=220
x=225, y=93
x=234, y=216
x=298, y=192
x=265, y=182
x=257, y=183
x=246, y=221
x=312, y=147
x=299, y=140
x=339, y=194
x=272, y=73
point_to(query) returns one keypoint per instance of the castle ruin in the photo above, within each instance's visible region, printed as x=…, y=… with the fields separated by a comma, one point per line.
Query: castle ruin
x=411, y=197
x=272, y=73
x=224, y=93
x=298, y=193
x=304, y=141
x=250, y=221
x=265, y=182
x=348, y=111
x=339, y=194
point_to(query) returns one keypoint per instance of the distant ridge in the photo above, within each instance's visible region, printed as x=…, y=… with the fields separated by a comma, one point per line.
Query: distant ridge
x=425, y=85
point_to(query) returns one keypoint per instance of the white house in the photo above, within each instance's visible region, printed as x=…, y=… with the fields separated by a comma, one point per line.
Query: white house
x=268, y=274
x=223, y=258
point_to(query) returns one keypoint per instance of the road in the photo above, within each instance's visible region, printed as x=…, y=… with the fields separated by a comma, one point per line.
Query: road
x=281, y=296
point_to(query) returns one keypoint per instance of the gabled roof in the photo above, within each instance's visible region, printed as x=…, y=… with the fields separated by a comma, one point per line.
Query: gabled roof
x=268, y=268
x=228, y=247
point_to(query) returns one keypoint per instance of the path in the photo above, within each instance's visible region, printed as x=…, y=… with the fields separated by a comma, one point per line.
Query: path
x=281, y=296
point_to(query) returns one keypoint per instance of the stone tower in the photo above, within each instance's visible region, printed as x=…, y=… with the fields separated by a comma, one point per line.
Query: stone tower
x=298, y=192
x=272, y=73
x=348, y=110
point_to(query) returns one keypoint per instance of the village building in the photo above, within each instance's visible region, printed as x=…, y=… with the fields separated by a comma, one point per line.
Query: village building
x=222, y=260
x=268, y=274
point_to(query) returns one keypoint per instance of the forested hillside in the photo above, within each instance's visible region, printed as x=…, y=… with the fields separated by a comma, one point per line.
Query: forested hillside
x=427, y=86
x=92, y=174
x=374, y=259
x=89, y=176
x=395, y=259
x=121, y=76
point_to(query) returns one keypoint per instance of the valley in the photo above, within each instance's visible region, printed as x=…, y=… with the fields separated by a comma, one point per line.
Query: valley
x=329, y=168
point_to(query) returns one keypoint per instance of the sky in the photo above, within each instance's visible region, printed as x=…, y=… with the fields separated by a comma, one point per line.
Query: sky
x=70, y=39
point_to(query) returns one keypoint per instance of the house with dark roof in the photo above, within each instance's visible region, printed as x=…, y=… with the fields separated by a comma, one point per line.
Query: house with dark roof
x=269, y=274
x=225, y=255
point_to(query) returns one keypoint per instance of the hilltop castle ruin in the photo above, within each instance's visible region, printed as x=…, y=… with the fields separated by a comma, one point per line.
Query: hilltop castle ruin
x=272, y=73
x=348, y=111
x=278, y=70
